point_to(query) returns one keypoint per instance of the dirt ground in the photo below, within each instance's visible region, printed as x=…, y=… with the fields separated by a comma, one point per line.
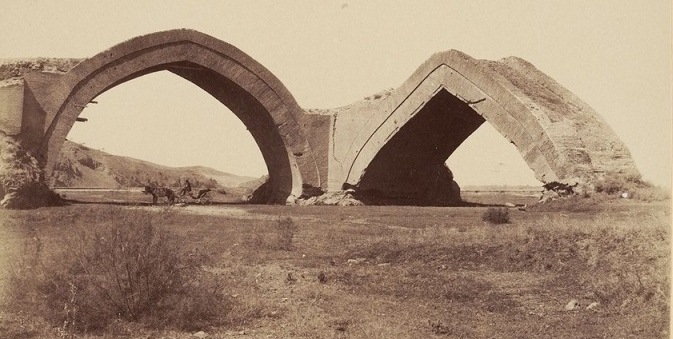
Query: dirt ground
x=402, y=272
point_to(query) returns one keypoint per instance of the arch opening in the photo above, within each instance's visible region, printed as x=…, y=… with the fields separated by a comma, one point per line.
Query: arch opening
x=250, y=91
x=486, y=160
x=250, y=111
x=166, y=120
x=411, y=168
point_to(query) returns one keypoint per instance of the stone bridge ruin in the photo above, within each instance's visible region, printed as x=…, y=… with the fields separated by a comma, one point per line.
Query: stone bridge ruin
x=391, y=146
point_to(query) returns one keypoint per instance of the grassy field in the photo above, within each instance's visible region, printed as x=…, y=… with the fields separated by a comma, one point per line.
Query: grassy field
x=371, y=272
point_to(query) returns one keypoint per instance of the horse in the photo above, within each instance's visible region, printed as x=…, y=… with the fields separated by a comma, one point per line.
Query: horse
x=158, y=192
x=202, y=192
x=201, y=196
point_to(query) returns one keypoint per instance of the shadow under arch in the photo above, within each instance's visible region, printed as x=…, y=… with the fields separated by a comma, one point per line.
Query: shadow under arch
x=248, y=89
x=410, y=167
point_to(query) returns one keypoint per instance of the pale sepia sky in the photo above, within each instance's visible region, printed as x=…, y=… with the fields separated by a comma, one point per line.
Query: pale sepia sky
x=615, y=55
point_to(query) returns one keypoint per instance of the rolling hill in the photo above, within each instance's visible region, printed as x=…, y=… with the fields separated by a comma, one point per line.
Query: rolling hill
x=81, y=166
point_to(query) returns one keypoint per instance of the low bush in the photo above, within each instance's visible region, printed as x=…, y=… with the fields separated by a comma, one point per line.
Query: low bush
x=632, y=186
x=496, y=215
x=89, y=162
x=130, y=271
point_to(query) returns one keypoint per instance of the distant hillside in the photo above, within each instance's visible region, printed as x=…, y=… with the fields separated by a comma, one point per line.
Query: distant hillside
x=80, y=166
x=223, y=178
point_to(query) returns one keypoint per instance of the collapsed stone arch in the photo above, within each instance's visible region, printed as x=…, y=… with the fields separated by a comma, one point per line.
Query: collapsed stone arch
x=410, y=133
x=256, y=96
x=410, y=129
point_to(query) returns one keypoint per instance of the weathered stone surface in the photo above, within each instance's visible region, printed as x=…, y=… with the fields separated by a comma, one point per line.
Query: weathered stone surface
x=200, y=334
x=390, y=147
x=334, y=198
x=255, y=95
x=423, y=121
x=572, y=305
x=11, y=106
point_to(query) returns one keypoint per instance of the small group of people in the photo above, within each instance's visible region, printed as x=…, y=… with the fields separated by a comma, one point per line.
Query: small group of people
x=187, y=189
x=158, y=192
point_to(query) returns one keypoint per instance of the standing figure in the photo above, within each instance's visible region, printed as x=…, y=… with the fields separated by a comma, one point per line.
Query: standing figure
x=186, y=189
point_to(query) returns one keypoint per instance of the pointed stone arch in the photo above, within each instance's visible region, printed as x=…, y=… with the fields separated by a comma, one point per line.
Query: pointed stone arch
x=559, y=136
x=248, y=89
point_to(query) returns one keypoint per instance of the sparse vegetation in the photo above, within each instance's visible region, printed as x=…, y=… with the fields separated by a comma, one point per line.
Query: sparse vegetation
x=89, y=162
x=633, y=187
x=496, y=215
x=573, y=204
x=19, y=68
x=285, y=233
x=430, y=272
x=22, y=178
x=119, y=270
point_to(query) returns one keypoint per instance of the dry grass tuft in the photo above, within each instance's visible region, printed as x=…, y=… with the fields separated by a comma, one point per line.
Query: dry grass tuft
x=127, y=270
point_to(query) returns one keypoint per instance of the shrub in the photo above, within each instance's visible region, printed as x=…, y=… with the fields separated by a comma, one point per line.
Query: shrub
x=496, y=215
x=610, y=186
x=634, y=186
x=89, y=162
x=648, y=194
x=285, y=233
x=130, y=271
